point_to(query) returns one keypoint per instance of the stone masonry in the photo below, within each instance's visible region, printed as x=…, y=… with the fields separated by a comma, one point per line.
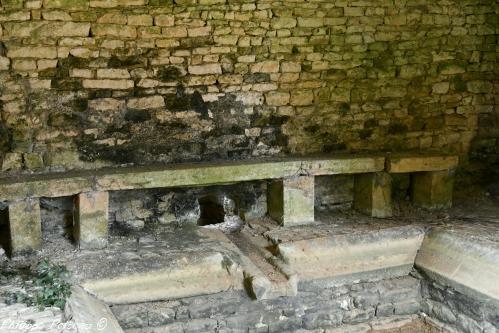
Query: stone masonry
x=313, y=308
x=87, y=83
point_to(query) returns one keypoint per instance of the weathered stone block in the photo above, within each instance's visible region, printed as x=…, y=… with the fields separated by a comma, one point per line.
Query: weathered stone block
x=70, y=4
x=372, y=194
x=205, y=69
x=90, y=219
x=142, y=103
x=108, y=84
x=143, y=19
x=4, y=64
x=47, y=52
x=112, y=73
x=432, y=190
x=265, y=67
x=174, y=32
x=275, y=98
x=164, y=20
x=291, y=200
x=114, y=30
x=25, y=225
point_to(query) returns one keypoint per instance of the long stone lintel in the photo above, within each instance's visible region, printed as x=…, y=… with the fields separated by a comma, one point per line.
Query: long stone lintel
x=71, y=183
x=90, y=218
x=290, y=201
x=399, y=163
x=372, y=194
x=25, y=226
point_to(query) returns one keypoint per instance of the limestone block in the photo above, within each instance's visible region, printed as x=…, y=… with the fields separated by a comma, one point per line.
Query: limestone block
x=415, y=163
x=174, y=32
x=291, y=200
x=115, y=30
x=373, y=194
x=276, y=98
x=283, y=22
x=205, y=69
x=164, y=20
x=4, y=64
x=113, y=73
x=70, y=4
x=265, y=67
x=48, y=52
x=432, y=190
x=108, y=84
x=143, y=103
x=90, y=218
x=302, y=97
x=25, y=225
x=142, y=19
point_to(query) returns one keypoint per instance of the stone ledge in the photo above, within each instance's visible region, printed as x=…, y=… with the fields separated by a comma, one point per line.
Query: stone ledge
x=405, y=163
x=467, y=263
x=377, y=254
x=70, y=183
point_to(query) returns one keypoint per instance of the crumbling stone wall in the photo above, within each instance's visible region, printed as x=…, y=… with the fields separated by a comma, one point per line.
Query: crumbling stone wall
x=88, y=83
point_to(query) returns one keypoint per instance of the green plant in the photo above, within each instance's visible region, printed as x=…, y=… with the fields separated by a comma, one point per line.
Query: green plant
x=47, y=287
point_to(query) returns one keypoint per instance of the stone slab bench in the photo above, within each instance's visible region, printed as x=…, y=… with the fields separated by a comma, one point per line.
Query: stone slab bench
x=432, y=179
x=290, y=191
x=290, y=197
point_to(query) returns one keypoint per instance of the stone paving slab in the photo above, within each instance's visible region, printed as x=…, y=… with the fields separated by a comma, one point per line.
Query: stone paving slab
x=178, y=263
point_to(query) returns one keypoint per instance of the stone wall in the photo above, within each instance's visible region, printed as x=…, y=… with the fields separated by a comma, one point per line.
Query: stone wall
x=311, y=309
x=458, y=311
x=88, y=83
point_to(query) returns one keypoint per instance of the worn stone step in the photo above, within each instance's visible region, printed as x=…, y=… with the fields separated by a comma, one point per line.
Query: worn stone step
x=316, y=254
x=176, y=264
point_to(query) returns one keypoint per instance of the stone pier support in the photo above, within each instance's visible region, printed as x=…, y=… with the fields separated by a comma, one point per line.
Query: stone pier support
x=372, y=194
x=25, y=225
x=291, y=200
x=432, y=190
x=90, y=218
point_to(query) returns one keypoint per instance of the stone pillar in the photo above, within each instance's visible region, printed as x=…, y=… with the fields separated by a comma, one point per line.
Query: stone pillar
x=373, y=194
x=25, y=226
x=432, y=190
x=90, y=219
x=290, y=201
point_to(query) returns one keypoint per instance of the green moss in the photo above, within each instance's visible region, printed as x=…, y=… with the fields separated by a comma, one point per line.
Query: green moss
x=12, y=3
x=169, y=73
x=343, y=109
x=161, y=2
x=458, y=84
x=397, y=128
x=365, y=133
x=257, y=78
x=125, y=61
